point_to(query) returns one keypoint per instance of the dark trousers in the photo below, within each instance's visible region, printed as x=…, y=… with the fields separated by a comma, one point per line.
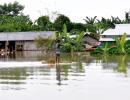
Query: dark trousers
x=57, y=58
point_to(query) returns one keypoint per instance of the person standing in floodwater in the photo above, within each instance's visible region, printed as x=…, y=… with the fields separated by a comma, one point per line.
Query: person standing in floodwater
x=57, y=54
x=57, y=51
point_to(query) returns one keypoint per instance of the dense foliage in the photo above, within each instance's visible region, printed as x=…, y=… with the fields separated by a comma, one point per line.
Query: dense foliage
x=12, y=19
x=11, y=9
x=44, y=24
x=60, y=21
x=16, y=23
x=121, y=47
x=67, y=44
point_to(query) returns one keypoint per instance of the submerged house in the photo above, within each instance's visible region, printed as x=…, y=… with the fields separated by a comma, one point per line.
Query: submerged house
x=88, y=41
x=110, y=34
x=22, y=40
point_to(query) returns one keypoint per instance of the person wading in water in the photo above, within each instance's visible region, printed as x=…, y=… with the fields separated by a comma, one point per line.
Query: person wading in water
x=57, y=51
x=57, y=54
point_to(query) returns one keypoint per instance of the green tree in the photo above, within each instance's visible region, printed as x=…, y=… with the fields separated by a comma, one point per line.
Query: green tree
x=16, y=23
x=7, y=24
x=60, y=21
x=12, y=19
x=77, y=27
x=91, y=20
x=12, y=9
x=107, y=23
x=23, y=23
x=116, y=20
x=127, y=17
x=96, y=26
x=44, y=23
x=91, y=26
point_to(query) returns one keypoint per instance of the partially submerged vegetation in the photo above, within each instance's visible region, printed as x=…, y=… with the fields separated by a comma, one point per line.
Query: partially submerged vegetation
x=120, y=47
x=67, y=43
x=45, y=44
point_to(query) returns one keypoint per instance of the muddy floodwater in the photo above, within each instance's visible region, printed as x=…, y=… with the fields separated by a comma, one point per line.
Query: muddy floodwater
x=33, y=75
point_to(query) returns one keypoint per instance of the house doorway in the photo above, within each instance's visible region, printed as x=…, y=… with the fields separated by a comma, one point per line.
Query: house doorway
x=2, y=45
x=11, y=46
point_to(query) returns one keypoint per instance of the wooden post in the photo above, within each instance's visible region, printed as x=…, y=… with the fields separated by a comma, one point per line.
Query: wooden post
x=6, y=47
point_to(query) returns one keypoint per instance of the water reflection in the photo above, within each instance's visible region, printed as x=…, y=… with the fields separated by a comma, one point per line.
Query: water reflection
x=93, y=77
x=56, y=74
x=13, y=78
x=20, y=77
x=65, y=70
x=117, y=63
x=22, y=56
x=13, y=74
x=122, y=65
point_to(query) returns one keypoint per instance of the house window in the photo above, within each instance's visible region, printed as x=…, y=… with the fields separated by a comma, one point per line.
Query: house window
x=19, y=47
x=103, y=36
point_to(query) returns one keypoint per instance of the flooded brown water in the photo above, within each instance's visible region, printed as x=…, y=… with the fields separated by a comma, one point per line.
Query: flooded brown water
x=86, y=78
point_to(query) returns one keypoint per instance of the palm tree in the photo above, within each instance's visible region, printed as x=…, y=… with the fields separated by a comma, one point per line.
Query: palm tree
x=91, y=20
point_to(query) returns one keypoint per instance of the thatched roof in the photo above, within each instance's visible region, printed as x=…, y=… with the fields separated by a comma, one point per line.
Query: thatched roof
x=89, y=40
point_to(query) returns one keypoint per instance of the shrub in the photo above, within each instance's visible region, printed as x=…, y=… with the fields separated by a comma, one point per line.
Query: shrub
x=127, y=46
x=113, y=50
x=97, y=51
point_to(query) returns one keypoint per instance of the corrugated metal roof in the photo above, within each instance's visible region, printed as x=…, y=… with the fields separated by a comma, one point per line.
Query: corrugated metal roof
x=119, y=30
x=110, y=39
x=19, y=36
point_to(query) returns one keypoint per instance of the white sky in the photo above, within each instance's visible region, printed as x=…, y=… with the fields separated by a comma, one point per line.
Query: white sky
x=76, y=10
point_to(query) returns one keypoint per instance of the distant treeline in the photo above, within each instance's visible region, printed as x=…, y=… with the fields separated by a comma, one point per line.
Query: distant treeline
x=12, y=19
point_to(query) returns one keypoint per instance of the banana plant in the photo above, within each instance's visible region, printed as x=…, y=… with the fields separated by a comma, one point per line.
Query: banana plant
x=120, y=43
x=69, y=44
x=105, y=48
x=79, y=41
x=63, y=36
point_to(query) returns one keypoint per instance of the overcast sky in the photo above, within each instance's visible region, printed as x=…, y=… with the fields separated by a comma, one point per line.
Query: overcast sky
x=76, y=10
